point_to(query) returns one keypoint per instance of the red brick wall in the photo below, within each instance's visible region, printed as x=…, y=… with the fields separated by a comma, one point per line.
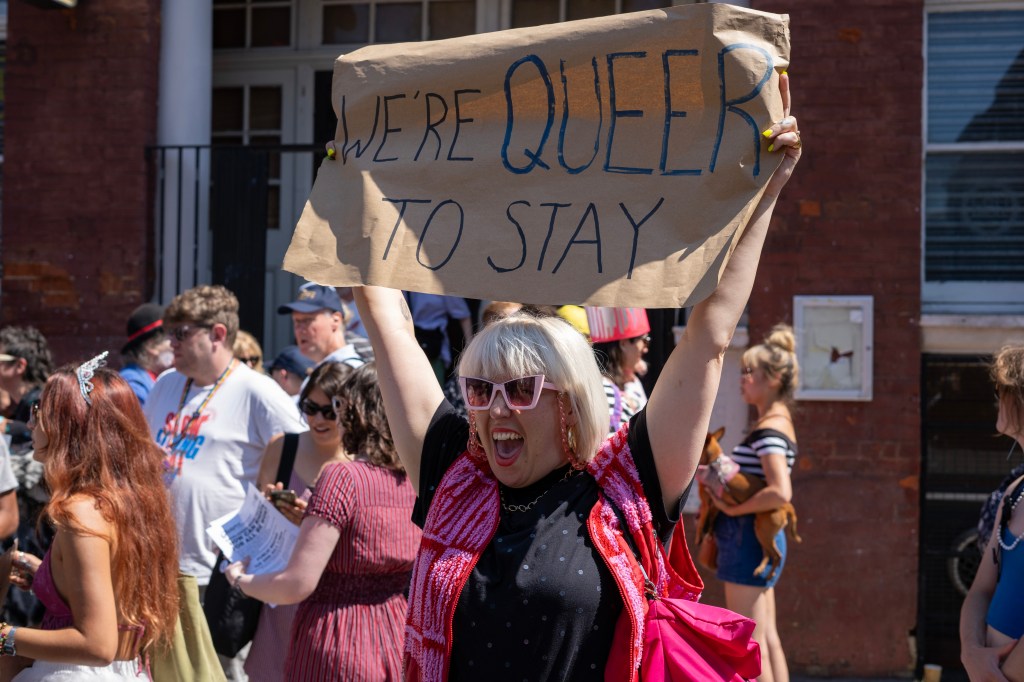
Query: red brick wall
x=849, y=224
x=81, y=96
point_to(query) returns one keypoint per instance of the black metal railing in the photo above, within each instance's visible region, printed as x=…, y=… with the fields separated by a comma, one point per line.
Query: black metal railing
x=211, y=217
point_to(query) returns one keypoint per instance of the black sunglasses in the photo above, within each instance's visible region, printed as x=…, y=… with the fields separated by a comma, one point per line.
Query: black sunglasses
x=309, y=408
x=181, y=333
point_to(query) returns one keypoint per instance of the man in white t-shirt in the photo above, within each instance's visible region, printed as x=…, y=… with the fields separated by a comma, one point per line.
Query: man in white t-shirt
x=319, y=324
x=213, y=416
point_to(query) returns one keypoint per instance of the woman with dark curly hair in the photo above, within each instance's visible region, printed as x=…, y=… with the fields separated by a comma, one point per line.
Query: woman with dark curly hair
x=109, y=579
x=351, y=564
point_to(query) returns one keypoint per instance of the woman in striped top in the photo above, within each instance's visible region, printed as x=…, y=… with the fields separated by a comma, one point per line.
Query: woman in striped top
x=769, y=377
x=352, y=561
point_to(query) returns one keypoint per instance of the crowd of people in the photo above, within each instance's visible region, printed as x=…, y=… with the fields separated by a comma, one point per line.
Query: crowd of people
x=456, y=512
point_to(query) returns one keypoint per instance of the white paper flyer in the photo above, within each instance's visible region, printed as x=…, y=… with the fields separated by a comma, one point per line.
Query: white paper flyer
x=258, y=531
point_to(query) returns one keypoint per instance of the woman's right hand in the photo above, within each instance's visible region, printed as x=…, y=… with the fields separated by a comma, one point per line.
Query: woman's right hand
x=293, y=511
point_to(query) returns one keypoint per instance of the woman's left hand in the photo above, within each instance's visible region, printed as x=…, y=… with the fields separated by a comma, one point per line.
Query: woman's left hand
x=23, y=569
x=783, y=138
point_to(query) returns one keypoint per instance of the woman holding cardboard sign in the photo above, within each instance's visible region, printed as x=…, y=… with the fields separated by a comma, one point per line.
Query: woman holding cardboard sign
x=523, y=568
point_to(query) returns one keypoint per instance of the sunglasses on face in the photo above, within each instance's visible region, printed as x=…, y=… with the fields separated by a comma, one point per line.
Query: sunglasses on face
x=252, y=361
x=181, y=333
x=309, y=408
x=747, y=371
x=646, y=338
x=519, y=394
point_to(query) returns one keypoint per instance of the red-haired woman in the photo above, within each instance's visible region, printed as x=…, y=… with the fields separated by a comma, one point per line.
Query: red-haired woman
x=109, y=580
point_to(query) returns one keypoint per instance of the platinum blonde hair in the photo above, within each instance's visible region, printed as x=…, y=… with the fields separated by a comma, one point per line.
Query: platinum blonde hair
x=523, y=345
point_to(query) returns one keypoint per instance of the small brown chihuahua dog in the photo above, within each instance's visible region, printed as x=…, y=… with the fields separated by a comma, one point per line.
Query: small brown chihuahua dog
x=719, y=472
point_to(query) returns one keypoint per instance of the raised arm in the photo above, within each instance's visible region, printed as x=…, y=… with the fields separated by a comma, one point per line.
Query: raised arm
x=680, y=405
x=407, y=382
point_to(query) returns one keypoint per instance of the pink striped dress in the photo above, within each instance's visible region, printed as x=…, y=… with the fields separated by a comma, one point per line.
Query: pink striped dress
x=351, y=628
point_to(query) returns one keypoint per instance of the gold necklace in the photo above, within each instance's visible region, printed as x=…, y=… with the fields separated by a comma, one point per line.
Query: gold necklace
x=527, y=507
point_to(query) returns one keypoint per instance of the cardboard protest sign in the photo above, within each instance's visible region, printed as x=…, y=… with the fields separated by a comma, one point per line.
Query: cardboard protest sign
x=611, y=161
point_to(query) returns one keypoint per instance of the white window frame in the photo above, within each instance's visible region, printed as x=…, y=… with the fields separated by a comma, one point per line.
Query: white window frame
x=961, y=296
x=248, y=6
x=313, y=31
x=279, y=285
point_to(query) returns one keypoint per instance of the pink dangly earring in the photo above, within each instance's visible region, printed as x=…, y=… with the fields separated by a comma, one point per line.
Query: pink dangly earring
x=569, y=443
x=474, y=446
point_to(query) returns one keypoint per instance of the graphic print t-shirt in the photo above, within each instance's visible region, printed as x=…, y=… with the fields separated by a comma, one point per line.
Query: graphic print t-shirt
x=211, y=459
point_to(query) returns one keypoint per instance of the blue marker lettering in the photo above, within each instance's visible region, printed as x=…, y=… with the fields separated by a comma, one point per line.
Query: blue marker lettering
x=565, y=119
x=432, y=125
x=591, y=210
x=670, y=113
x=423, y=235
x=617, y=114
x=535, y=157
x=384, y=138
x=730, y=104
x=458, y=126
x=522, y=239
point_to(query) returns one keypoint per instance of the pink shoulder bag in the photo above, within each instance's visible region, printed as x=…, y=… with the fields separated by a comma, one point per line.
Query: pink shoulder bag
x=688, y=641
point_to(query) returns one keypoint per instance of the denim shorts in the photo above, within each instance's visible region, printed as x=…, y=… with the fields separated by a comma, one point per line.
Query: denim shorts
x=739, y=552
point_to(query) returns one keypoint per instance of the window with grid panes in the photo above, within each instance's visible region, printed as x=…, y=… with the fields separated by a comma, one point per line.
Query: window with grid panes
x=537, y=12
x=251, y=23
x=974, y=149
x=251, y=115
x=393, y=21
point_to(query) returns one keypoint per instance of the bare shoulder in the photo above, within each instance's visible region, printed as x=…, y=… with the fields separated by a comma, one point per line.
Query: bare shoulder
x=781, y=423
x=275, y=445
x=88, y=516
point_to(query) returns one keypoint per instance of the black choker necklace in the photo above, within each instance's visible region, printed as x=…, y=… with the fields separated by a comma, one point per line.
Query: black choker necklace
x=527, y=507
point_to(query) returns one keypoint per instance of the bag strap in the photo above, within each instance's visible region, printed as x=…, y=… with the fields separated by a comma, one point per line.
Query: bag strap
x=288, y=450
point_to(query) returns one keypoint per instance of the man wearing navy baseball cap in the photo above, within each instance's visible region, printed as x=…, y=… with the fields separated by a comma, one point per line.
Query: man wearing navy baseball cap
x=290, y=369
x=318, y=319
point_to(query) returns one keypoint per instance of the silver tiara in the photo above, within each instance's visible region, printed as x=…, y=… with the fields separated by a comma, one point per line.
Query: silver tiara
x=85, y=373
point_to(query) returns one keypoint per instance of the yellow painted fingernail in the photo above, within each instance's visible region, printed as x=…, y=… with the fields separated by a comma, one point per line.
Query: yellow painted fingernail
x=331, y=153
x=785, y=73
x=767, y=133
x=771, y=147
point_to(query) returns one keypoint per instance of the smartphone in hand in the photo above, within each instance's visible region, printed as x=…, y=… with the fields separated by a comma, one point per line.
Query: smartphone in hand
x=283, y=497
